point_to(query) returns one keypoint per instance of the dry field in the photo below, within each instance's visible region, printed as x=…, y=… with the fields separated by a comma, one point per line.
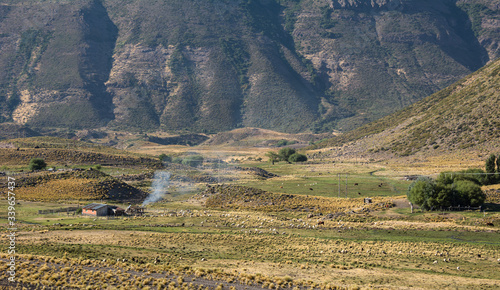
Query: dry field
x=291, y=231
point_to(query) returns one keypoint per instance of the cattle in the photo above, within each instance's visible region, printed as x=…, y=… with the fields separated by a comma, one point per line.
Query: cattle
x=321, y=223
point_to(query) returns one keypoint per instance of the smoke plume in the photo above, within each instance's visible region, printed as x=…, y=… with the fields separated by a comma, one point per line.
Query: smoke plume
x=159, y=187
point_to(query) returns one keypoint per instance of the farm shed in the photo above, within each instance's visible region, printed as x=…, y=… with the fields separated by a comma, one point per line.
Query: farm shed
x=95, y=209
x=134, y=210
x=116, y=211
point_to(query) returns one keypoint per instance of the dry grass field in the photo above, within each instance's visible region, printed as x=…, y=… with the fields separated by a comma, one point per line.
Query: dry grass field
x=233, y=225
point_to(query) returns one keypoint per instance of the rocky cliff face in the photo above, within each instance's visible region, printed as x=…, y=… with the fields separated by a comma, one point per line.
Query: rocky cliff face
x=217, y=65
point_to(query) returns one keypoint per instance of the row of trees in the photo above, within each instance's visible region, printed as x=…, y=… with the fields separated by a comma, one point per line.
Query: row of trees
x=455, y=189
x=286, y=154
x=192, y=160
x=444, y=192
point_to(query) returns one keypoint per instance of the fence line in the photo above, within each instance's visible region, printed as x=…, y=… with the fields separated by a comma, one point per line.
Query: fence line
x=66, y=209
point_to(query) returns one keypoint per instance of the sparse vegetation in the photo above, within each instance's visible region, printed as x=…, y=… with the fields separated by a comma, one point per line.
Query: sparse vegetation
x=193, y=161
x=37, y=164
x=331, y=216
x=297, y=157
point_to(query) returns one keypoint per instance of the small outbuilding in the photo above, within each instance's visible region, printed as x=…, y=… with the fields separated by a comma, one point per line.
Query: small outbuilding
x=115, y=211
x=134, y=210
x=95, y=209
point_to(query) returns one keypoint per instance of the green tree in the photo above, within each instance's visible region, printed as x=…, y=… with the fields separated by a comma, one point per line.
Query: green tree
x=285, y=153
x=498, y=168
x=475, y=175
x=490, y=167
x=297, y=157
x=273, y=157
x=422, y=192
x=469, y=193
x=37, y=164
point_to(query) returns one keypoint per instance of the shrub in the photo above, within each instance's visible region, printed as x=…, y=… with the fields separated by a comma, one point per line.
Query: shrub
x=165, y=158
x=284, y=142
x=477, y=176
x=285, y=153
x=470, y=193
x=177, y=160
x=193, y=161
x=420, y=191
x=37, y=164
x=297, y=157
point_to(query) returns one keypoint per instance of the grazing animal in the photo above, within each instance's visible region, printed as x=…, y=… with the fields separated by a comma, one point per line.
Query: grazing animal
x=321, y=223
x=355, y=184
x=281, y=186
x=490, y=224
x=359, y=193
x=379, y=185
x=310, y=188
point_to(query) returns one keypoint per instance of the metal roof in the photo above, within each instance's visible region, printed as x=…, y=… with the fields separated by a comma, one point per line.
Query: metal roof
x=95, y=206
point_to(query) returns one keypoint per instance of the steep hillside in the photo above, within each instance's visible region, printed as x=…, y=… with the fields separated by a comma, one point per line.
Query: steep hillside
x=210, y=66
x=464, y=115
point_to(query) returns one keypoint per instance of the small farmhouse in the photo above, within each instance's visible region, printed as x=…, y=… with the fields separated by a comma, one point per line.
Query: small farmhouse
x=95, y=209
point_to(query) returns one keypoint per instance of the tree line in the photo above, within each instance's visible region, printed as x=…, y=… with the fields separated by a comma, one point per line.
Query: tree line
x=286, y=154
x=455, y=189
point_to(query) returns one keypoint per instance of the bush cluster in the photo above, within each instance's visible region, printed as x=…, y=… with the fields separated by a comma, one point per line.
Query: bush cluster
x=286, y=154
x=37, y=164
x=445, y=192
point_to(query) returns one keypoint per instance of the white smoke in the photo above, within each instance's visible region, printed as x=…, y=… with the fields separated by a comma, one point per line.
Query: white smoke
x=161, y=181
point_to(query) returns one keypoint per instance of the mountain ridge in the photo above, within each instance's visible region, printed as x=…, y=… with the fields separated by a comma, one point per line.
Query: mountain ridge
x=288, y=65
x=462, y=116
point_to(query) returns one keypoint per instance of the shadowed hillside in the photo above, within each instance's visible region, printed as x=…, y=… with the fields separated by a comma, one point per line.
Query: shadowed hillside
x=211, y=66
x=464, y=115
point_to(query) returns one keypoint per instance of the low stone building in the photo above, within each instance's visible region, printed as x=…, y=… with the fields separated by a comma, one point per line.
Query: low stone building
x=95, y=209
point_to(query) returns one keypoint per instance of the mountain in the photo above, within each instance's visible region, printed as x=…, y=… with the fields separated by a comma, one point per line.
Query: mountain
x=462, y=116
x=211, y=66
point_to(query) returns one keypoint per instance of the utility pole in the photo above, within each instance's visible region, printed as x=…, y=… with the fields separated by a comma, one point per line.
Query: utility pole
x=346, y=184
x=338, y=175
x=339, y=183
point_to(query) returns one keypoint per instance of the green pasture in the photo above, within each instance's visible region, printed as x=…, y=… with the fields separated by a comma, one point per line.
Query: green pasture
x=350, y=186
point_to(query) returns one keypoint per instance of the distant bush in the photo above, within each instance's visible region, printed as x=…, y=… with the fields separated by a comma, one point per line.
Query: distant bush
x=193, y=161
x=284, y=142
x=285, y=153
x=477, y=176
x=165, y=158
x=37, y=164
x=297, y=157
x=177, y=160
